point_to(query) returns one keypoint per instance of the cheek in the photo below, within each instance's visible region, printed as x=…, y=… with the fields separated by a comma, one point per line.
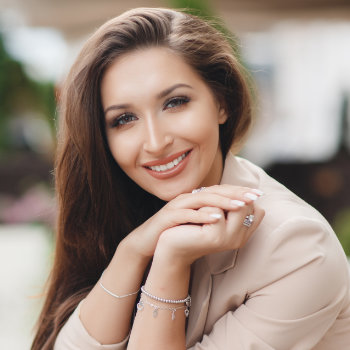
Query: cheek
x=203, y=130
x=123, y=150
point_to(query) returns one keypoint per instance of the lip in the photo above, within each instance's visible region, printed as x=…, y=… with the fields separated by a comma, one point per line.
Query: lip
x=166, y=160
x=176, y=170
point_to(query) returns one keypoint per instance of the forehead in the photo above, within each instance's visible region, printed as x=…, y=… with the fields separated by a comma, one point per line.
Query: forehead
x=148, y=70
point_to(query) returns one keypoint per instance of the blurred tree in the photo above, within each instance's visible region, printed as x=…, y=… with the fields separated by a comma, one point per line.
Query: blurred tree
x=20, y=96
x=201, y=6
x=342, y=228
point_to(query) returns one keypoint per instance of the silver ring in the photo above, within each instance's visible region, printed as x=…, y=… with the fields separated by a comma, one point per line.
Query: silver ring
x=248, y=220
x=198, y=189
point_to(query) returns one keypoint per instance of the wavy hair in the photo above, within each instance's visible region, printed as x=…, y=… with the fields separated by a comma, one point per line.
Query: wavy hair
x=98, y=204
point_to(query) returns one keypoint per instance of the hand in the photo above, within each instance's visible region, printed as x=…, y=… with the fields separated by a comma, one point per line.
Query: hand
x=184, y=244
x=186, y=209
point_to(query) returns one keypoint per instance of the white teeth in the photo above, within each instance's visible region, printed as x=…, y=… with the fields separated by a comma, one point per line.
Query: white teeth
x=170, y=165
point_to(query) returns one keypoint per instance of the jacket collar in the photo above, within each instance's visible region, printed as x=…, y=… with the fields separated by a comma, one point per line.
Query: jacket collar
x=209, y=265
x=237, y=171
x=221, y=262
x=233, y=174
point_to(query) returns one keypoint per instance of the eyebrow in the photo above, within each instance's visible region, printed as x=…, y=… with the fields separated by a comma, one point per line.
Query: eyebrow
x=171, y=89
x=114, y=107
x=160, y=95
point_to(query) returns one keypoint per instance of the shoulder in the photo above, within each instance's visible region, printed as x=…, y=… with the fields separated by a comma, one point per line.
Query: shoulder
x=293, y=235
x=281, y=205
x=296, y=244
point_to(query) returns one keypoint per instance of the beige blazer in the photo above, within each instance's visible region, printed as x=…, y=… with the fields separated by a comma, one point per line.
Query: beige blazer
x=287, y=289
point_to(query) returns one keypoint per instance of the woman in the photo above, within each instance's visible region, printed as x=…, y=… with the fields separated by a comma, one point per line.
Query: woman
x=150, y=110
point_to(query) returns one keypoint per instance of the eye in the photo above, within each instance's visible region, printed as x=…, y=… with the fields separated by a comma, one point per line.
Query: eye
x=175, y=102
x=123, y=119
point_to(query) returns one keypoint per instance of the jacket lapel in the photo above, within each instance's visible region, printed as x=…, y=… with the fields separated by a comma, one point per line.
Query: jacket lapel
x=200, y=292
x=201, y=289
x=204, y=268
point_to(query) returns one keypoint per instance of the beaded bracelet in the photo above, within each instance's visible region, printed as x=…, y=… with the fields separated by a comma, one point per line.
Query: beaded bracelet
x=112, y=294
x=186, y=301
x=140, y=306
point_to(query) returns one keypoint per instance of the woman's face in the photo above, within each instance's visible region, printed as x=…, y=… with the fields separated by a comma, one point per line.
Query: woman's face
x=162, y=122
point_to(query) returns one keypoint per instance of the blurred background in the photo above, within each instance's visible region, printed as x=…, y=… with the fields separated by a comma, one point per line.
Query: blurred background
x=298, y=53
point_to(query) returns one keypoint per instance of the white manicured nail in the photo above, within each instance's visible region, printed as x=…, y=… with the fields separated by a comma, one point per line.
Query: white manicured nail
x=237, y=203
x=251, y=196
x=216, y=216
x=258, y=192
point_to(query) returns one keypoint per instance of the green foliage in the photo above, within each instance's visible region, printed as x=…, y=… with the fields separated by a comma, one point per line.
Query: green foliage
x=341, y=226
x=20, y=95
x=201, y=7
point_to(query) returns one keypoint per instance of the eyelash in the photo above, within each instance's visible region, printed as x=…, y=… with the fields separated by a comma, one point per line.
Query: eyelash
x=121, y=120
x=178, y=102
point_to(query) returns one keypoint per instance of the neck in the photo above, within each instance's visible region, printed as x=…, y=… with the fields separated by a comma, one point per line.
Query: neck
x=215, y=175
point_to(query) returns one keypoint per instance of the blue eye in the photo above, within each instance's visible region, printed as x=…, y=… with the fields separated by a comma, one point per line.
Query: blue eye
x=123, y=119
x=176, y=102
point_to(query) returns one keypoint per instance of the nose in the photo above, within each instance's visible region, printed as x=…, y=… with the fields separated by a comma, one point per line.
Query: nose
x=157, y=137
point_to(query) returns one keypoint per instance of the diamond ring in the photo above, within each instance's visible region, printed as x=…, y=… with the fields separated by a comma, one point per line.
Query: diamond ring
x=248, y=220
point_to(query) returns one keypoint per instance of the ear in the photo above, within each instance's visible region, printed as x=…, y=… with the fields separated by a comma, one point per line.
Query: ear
x=222, y=116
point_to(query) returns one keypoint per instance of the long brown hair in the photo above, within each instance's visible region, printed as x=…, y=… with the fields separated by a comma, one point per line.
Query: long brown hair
x=98, y=204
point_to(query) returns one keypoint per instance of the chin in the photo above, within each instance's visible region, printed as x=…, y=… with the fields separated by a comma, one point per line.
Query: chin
x=169, y=195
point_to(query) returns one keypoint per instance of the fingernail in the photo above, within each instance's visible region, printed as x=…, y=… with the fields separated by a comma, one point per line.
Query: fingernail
x=216, y=216
x=251, y=196
x=237, y=203
x=258, y=192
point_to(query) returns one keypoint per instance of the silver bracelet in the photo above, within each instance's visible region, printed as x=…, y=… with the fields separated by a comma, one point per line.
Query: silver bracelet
x=140, y=307
x=112, y=294
x=186, y=301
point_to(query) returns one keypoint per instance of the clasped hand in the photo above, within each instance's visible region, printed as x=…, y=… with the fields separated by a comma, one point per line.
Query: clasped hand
x=186, y=229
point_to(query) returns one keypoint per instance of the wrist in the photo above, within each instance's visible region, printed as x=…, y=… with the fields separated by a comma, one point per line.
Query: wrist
x=167, y=259
x=169, y=254
x=129, y=251
x=168, y=278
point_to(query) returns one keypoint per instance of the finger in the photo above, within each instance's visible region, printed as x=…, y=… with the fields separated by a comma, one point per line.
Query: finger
x=235, y=223
x=246, y=194
x=205, y=199
x=187, y=216
x=212, y=211
x=258, y=216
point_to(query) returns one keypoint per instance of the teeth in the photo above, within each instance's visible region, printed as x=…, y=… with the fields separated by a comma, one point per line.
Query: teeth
x=170, y=165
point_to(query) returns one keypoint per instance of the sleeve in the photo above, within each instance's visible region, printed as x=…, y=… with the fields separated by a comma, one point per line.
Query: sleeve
x=74, y=336
x=303, y=284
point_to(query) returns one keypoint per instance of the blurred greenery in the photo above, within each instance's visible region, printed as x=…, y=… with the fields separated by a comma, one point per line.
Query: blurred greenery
x=202, y=7
x=341, y=226
x=20, y=95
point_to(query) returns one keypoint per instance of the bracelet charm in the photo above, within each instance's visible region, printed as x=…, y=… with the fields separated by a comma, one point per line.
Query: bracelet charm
x=141, y=305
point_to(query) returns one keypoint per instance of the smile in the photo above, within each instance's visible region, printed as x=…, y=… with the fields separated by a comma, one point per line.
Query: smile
x=170, y=165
